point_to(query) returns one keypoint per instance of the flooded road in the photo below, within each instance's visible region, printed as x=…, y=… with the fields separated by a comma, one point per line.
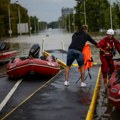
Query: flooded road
x=59, y=39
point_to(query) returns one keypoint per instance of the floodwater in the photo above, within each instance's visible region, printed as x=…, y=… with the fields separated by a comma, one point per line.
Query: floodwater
x=60, y=39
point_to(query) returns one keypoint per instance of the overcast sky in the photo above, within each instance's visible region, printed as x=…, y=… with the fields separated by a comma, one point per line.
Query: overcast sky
x=46, y=10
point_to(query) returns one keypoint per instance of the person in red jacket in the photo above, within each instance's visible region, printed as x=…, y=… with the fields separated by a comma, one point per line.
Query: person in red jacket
x=107, y=46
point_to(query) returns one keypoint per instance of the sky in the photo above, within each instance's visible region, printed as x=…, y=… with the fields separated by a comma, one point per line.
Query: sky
x=46, y=10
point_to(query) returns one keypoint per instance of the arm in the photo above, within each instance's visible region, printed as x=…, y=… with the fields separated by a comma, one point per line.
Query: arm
x=90, y=39
x=117, y=45
x=101, y=44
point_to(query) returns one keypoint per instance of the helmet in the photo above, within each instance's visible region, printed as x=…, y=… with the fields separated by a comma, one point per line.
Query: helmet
x=110, y=32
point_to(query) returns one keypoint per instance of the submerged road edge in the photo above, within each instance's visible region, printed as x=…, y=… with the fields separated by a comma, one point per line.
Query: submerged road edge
x=94, y=98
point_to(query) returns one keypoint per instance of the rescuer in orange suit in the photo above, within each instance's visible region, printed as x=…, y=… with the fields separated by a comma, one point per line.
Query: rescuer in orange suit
x=107, y=46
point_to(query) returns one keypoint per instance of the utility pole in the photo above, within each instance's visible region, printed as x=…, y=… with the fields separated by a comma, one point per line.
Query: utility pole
x=69, y=23
x=85, y=12
x=10, y=31
x=110, y=15
x=29, y=25
x=73, y=21
x=19, y=18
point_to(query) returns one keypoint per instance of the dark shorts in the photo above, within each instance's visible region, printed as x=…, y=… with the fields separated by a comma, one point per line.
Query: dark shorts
x=74, y=55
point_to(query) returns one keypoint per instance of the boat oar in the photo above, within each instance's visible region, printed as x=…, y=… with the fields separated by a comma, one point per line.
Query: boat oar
x=8, y=96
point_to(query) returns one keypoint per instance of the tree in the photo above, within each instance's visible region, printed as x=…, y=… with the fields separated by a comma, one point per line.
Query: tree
x=98, y=14
x=4, y=17
x=6, y=6
x=116, y=15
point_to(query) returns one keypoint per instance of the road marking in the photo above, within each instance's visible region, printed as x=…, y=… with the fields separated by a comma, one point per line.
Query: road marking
x=31, y=95
x=8, y=96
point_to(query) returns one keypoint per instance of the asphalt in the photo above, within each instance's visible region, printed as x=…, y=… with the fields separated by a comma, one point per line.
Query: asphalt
x=53, y=100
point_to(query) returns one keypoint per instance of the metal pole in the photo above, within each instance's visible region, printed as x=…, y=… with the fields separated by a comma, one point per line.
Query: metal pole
x=35, y=25
x=19, y=19
x=85, y=12
x=73, y=21
x=65, y=21
x=10, y=31
x=29, y=25
x=110, y=14
x=69, y=23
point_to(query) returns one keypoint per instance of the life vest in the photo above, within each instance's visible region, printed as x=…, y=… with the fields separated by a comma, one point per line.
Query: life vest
x=87, y=56
x=87, y=61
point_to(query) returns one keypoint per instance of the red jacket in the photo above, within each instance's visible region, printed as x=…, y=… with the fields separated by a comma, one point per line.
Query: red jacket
x=107, y=46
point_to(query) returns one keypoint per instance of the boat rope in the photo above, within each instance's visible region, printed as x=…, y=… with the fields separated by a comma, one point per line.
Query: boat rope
x=86, y=76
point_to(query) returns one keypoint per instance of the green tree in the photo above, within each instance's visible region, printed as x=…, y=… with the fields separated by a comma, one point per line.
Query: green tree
x=4, y=17
x=95, y=12
x=116, y=15
x=98, y=14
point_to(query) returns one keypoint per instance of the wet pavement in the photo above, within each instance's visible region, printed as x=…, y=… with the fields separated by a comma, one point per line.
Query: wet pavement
x=55, y=101
x=104, y=110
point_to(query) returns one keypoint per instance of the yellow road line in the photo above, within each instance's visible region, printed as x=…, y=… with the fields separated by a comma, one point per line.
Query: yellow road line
x=8, y=114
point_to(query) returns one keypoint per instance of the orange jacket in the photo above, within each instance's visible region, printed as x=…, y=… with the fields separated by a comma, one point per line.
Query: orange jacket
x=87, y=56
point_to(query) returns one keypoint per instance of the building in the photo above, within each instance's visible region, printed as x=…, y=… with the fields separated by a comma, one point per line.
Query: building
x=66, y=11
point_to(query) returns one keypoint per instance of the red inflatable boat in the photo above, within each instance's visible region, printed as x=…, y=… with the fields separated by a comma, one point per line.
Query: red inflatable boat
x=114, y=86
x=6, y=55
x=19, y=67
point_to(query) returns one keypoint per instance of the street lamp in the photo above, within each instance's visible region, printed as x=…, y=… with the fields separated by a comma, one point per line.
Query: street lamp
x=35, y=25
x=110, y=14
x=19, y=17
x=29, y=25
x=10, y=31
x=84, y=12
x=73, y=20
x=69, y=23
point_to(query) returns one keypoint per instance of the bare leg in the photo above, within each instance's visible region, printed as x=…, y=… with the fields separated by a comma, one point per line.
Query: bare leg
x=67, y=73
x=82, y=73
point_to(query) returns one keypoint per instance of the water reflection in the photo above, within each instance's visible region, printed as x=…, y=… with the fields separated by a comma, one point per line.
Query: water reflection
x=53, y=39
